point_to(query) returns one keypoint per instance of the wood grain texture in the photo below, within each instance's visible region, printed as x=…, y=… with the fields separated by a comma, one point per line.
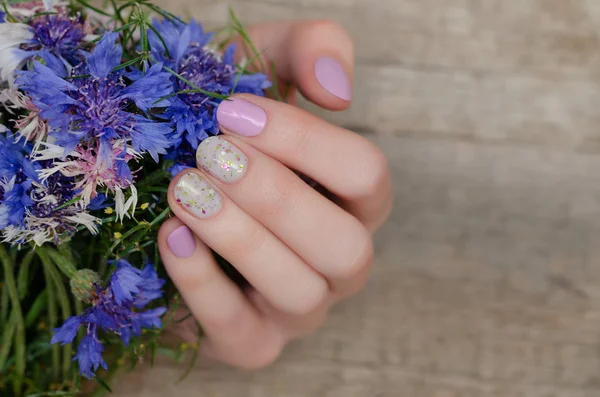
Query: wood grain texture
x=487, y=276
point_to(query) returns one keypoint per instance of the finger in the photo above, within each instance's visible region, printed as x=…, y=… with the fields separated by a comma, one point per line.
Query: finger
x=332, y=241
x=291, y=327
x=315, y=56
x=345, y=163
x=264, y=260
x=233, y=326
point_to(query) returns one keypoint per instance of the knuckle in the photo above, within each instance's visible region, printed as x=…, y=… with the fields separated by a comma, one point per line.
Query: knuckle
x=310, y=299
x=192, y=279
x=361, y=257
x=246, y=238
x=263, y=355
x=226, y=318
x=277, y=194
x=374, y=172
x=321, y=26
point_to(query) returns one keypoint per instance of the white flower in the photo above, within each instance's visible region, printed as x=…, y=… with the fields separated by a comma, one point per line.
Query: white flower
x=92, y=173
x=12, y=35
x=31, y=126
x=49, y=228
x=49, y=4
x=122, y=206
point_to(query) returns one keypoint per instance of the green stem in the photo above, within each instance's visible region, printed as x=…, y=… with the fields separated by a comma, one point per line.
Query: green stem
x=65, y=305
x=87, y=5
x=7, y=338
x=52, y=312
x=66, y=266
x=4, y=303
x=23, y=277
x=13, y=293
x=117, y=12
x=194, y=86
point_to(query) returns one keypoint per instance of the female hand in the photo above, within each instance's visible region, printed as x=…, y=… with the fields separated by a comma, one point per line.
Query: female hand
x=300, y=251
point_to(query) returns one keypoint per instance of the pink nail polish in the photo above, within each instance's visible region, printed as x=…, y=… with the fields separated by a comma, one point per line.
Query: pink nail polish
x=332, y=76
x=181, y=242
x=242, y=117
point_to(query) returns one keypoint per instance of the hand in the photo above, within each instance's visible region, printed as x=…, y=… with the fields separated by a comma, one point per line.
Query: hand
x=300, y=251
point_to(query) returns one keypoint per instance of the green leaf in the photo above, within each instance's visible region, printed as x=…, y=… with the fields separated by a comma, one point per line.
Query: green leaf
x=10, y=18
x=166, y=14
x=55, y=394
x=39, y=304
x=20, y=342
x=239, y=29
x=244, y=68
x=23, y=277
x=52, y=312
x=87, y=5
x=128, y=63
x=117, y=12
x=102, y=383
x=4, y=305
x=68, y=203
x=275, y=86
x=63, y=300
x=7, y=340
x=187, y=316
x=193, y=360
x=161, y=39
x=152, y=352
x=65, y=264
x=171, y=354
x=194, y=86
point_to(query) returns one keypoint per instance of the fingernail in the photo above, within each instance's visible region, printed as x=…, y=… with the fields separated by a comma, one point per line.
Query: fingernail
x=194, y=194
x=181, y=242
x=332, y=76
x=221, y=159
x=242, y=117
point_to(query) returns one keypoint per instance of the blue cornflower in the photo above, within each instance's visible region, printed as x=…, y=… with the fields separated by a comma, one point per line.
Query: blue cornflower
x=17, y=174
x=185, y=51
x=94, y=107
x=183, y=157
x=15, y=160
x=58, y=34
x=116, y=308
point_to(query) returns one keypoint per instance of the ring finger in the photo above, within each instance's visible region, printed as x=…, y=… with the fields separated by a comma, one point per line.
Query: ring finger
x=280, y=275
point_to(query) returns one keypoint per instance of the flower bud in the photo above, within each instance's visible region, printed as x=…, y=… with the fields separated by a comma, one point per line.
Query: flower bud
x=83, y=284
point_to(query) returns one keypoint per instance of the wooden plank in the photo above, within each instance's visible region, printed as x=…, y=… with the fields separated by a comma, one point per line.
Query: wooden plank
x=487, y=276
x=522, y=71
x=486, y=285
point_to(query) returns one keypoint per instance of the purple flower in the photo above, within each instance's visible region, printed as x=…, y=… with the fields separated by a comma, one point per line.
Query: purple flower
x=58, y=34
x=94, y=108
x=116, y=308
x=17, y=175
x=89, y=356
x=185, y=51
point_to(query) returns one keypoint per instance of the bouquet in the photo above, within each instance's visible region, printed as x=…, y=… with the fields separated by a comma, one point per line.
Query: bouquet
x=99, y=107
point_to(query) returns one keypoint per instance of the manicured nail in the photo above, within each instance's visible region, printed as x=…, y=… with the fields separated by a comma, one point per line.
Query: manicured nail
x=194, y=194
x=331, y=75
x=242, y=117
x=221, y=159
x=181, y=242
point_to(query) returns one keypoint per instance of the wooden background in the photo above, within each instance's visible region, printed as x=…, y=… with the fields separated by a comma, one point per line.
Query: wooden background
x=488, y=274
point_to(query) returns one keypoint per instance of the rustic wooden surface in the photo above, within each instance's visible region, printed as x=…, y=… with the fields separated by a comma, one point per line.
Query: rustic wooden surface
x=488, y=274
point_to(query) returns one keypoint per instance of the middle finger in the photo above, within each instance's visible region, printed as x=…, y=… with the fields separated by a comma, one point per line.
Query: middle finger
x=267, y=263
x=329, y=239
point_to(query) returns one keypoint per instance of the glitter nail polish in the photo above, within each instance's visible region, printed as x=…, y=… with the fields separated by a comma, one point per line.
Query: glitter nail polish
x=196, y=196
x=221, y=159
